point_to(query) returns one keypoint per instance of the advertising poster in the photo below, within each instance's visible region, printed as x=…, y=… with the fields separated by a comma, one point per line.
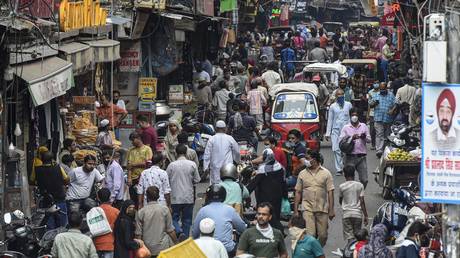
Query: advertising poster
x=440, y=175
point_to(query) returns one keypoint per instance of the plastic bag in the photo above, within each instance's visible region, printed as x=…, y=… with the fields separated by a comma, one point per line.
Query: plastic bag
x=97, y=222
x=285, y=207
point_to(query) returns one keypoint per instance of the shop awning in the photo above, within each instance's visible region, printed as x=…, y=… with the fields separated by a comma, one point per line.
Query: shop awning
x=105, y=50
x=80, y=55
x=47, y=79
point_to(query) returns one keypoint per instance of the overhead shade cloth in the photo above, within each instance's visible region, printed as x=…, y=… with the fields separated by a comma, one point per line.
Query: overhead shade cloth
x=80, y=55
x=105, y=50
x=48, y=78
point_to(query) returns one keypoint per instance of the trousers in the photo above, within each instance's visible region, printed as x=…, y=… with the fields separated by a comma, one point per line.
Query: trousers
x=350, y=227
x=360, y=164
x=382, y=130
x=317, y=225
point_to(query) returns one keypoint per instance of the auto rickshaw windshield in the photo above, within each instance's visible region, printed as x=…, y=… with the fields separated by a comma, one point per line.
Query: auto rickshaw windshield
x=295, y=106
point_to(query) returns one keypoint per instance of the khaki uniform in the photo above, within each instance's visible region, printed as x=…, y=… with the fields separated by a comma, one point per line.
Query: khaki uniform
x=314, y=187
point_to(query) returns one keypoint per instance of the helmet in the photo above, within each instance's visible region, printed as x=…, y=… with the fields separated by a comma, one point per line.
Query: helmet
x=228, y=171
x=215, y=193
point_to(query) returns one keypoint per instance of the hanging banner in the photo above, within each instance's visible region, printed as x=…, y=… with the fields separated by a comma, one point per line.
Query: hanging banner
x=130, y=53
x=388, y=20
x=440, y=174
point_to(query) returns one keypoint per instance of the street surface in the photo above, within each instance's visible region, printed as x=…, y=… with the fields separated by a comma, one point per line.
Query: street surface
x=373, y=197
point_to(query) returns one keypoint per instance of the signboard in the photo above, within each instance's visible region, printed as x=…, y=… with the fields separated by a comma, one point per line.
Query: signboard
x=130, y=53
x=388, y=20
x=147, y=88
x=176, y=94
x=55, y=86
x=440, y=174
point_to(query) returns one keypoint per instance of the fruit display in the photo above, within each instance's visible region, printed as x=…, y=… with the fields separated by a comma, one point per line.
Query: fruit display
x=400, y=155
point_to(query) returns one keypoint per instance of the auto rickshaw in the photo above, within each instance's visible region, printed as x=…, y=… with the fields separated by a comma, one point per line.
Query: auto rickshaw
x=325, y=70
x=368, y=66
x=295, y=107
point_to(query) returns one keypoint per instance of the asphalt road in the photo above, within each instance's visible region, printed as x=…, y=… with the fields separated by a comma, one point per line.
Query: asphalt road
x=335, y=237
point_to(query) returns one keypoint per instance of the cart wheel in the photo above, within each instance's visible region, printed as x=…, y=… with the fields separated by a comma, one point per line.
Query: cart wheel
x=386, y=190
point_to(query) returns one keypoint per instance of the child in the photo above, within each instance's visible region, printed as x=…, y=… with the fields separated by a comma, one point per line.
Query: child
x=361, y=237
x=351, y=198
x=303, y=245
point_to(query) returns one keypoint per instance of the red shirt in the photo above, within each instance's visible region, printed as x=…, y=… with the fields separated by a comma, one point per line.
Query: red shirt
x=149, y=137
x=323, y=42
x=280, y=156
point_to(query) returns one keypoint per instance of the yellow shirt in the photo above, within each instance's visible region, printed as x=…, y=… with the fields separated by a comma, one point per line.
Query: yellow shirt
x=136, y=156
x=314, y=187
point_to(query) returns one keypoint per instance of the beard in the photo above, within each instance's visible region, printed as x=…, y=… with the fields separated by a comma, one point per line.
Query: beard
x=445, y=125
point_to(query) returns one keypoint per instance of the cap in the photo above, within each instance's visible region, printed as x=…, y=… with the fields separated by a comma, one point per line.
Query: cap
x=220, y=124
x=207, y=226
x=104, y=123
x=316, y=78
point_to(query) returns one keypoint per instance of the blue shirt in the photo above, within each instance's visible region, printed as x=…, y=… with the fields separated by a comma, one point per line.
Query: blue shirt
x=308, y=247
x=287, y=54
x=225, y=218
x=386, y=102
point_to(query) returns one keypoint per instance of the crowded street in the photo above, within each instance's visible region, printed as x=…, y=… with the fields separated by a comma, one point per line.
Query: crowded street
x=229, y=129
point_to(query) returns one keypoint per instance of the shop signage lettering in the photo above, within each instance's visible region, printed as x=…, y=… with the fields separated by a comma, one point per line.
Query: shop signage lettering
x=46, y=90
x=440, y=177
x=81, y=14
x=388, y=19
x=147, y=88
x=130, y=53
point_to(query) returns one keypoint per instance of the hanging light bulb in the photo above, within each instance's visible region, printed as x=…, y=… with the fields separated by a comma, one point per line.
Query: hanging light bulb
x=11, y=147
x=17, y=130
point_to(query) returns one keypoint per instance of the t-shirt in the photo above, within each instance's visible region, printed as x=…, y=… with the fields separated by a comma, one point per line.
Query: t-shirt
x=150, y=137
x=308, y=247
x=51, y=180
x=81, y=183
x=139, y=155
x=351, y=191
x=253, y=242
x=105, y=242
x=338, y=41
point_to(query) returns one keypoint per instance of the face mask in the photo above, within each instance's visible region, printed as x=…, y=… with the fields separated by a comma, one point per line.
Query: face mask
x=289, y=144
x=266, y=146
x=376, y=85
x=384, y=92
x=354, y=119
x=307, y=163
x=341, y=100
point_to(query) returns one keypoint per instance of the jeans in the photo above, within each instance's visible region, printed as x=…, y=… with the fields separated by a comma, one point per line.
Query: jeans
x=105, y=254
x=184, y=212
x=59, y=219
x=384, y=67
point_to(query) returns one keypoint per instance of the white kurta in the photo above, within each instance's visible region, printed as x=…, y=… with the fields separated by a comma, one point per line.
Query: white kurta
x=338, y=117
x=221, y=149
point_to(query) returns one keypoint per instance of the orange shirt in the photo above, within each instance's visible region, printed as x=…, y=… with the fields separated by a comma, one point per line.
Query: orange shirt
x=106, y=242
x=104, y=112
x=323, y=42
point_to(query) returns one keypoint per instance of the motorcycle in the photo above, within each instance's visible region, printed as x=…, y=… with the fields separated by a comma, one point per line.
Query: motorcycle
x=402, y=137
x=27, y=237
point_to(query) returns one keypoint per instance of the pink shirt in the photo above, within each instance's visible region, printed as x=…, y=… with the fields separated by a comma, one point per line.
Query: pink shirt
x=256, y=101
x=380, y=42
x=360, y=144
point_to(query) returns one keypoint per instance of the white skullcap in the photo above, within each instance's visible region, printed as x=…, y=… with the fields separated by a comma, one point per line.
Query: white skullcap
x=207, y=226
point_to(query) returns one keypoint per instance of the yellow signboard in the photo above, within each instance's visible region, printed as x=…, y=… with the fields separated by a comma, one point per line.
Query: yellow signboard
x=81, y=14
x=147, y=88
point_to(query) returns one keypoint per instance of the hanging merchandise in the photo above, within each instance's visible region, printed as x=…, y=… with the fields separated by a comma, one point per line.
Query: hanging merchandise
x=228, y=5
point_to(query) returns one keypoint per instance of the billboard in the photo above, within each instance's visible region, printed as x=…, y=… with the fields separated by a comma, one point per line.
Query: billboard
x=440, y=175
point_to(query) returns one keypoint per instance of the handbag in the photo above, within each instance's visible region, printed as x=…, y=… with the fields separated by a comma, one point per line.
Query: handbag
x=97, y=222
x=285, y=207
x=346, y=145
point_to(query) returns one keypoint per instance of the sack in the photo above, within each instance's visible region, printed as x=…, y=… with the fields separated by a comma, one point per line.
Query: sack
x=285, y=207
x=143, y=252
x=97, y=222
x=346, y=145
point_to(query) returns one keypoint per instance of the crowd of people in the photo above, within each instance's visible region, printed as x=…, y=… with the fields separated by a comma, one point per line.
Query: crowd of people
x=148, y=193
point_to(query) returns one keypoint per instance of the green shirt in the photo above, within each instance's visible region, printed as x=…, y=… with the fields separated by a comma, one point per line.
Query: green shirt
x=253, y=242
x=308, y=247
x=234, y=193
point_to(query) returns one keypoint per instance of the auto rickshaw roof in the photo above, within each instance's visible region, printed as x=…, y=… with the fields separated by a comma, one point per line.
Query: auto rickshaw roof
x=294, y=86
x=328, y=68
x=359, y=61
x=364, y=24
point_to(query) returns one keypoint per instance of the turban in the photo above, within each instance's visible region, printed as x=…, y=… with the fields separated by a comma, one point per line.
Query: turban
x=446, y=98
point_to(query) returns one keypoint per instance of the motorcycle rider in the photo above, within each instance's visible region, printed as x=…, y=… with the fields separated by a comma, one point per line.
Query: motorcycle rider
x=242, y=126
x=410, y=248
x=225, y=217
x=236, y=192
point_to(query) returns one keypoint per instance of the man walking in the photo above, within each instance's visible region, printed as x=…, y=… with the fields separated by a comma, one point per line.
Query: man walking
x=263, y=240
x=155, y=176
x=271, y=77
x=221, y=149
x=115, y=180
x=219, y=102
x=104, y=244
x=382, y=103
x=154, y=224
x=183, y=175
x=256, y=101
x=73, y=243
x=339, y=116
x=360, y=135
x=315, y=189
x=318, y=54
x=287, y=58
x=207, y=243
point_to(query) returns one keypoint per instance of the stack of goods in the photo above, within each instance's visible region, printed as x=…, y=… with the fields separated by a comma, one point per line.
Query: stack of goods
x=84, y=131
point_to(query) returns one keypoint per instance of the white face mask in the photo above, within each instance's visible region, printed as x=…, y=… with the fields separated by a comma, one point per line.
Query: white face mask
x=307, y=163
x=354, y=119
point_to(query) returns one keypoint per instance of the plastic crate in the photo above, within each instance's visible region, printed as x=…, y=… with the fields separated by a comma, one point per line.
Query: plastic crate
x=185, y=249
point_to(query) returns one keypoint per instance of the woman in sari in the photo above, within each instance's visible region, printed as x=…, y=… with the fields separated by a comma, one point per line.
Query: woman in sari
x=174, y=129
